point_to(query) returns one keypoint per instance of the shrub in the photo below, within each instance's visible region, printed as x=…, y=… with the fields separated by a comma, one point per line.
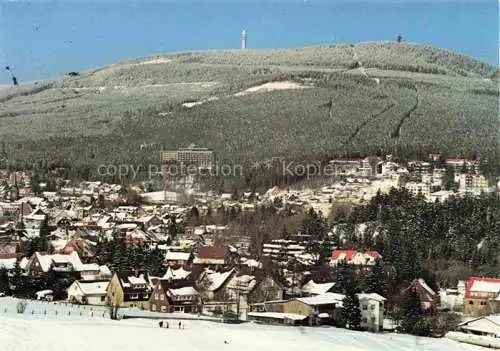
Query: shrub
x=217, y=311
x=21, y=306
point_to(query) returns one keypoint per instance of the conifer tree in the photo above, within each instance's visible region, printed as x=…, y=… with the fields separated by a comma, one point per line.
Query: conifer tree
x=412, y=312
x=4, y=280
x=345, y=280
x=17, y=269
x=351, y=310
x=376, y=280
x=44, y=236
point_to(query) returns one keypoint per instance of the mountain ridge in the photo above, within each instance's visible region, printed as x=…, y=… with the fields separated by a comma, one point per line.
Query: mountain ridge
x=147, y=98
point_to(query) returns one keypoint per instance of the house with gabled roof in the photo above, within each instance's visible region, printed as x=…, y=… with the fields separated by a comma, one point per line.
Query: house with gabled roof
x=175, y=274
x=33, y=222
x=482, y=296
x=212, y=285
x=91, y=293
x=129, y=289
x=314, y=307
x=178, y=258
x=84, y=247
x=177, y=295
x=41, y=263
x=215, y=256
x=429, y=299
x=485, y=326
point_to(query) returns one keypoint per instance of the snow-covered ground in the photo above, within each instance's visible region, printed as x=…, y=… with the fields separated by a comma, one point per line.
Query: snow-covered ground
x=61, y=332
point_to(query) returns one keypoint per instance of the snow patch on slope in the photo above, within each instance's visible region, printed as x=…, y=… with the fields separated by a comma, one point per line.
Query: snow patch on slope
x=272, y=86
x=201, y=102
x=155, y=61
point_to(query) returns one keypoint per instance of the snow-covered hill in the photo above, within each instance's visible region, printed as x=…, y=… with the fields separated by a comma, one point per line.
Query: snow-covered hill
x=50, y=332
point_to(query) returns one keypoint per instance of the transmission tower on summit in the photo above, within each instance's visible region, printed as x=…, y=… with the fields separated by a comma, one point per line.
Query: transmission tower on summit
x=243, y=39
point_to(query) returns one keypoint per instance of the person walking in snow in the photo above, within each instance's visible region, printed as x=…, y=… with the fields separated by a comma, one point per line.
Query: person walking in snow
x=160, y=324
x=167, y=325
x=180, y=325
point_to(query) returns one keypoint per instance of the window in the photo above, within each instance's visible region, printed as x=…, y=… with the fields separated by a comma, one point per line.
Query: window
x=163, y=308
x=471, y=302
x=134, y=296
x=372, y=307
x=145, y=296
x=156, y=296
x=365, y=307
x=364, y=320
x=483, y=303
x=103, y=298
x=153, y=307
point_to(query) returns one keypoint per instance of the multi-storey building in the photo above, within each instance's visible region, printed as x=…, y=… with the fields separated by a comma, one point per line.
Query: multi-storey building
x=482, y=296
x=202, y=157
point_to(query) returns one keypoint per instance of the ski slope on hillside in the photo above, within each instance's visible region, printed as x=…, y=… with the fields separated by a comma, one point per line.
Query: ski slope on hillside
x=26, y=332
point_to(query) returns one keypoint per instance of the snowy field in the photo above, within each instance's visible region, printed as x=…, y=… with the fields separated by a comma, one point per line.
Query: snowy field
x=62, y=332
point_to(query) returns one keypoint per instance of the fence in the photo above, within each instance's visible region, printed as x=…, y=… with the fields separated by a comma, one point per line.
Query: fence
x=37, y=307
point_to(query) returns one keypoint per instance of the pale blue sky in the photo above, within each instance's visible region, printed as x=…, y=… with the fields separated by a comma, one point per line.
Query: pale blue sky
x=40, y=39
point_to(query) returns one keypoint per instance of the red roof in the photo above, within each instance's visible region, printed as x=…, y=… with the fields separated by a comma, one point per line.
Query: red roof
x=10, y=255
x=216, y=252
x=350, y=253
x=74, y=244
x=471, y=281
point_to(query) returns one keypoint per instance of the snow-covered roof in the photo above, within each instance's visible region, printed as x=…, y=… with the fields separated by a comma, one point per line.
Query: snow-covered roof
x=217, y=279
x=278, y=315
x=179, y=273
x=177, y=256
x=251, y=262
x=242, y=283
x=104, y=270
x=323, y=299
x=24, y=263
x=35, y=217
x=185, y=291
x=47, y=260
x=316, y=289
x=126, y=226
x=488, y=324
x=372, y=296
x=426, y=287
x=137, y=280
x=58, y=244
x=485, y=286
x=90, y=267
x=93, y=288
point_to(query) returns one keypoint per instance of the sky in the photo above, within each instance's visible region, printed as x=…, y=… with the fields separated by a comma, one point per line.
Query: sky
x=44, y=39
